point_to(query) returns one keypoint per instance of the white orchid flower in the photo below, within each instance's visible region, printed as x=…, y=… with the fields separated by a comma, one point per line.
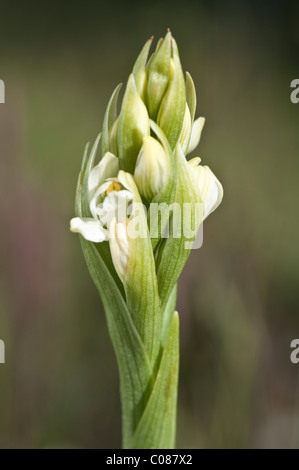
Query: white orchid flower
x=108, y=200
x=107, y=168
x=146, y=201
x=209, y=187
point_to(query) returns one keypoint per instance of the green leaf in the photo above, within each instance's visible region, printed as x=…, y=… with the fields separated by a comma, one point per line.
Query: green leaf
x=109, y=118
x=190, y=95
x=167, y=315
x=133, y=362
x=139, y=70
x=140, y=281
x=174, y=251
x=78, y=208
x=157, y=426
x=136, y=374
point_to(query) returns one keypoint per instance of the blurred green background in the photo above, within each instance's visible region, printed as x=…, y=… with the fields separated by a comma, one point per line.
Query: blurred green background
x=238, y=296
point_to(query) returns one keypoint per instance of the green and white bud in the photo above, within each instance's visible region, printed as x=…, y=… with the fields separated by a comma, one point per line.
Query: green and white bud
x=158, y=76
x=152, y=168
x=133, y=125
x=172, y=110
x=209, y=187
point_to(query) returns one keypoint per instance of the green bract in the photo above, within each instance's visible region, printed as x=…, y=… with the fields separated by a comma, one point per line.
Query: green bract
x=139, y=205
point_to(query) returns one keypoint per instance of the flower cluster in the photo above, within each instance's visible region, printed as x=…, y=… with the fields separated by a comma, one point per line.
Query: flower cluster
x=142, y=178
x=156, y=97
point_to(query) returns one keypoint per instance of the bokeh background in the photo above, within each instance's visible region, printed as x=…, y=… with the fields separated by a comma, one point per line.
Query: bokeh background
x=238, y=296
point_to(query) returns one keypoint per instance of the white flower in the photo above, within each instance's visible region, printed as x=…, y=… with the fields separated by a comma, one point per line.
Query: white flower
x=152, y=169
x=108, y=200
x=209, y=187
x=196, y=133
x=107, y=168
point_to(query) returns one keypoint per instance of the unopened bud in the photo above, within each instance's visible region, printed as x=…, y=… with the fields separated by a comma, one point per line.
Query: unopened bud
x=158, y=76
x=209, y=187
x=152, y=168
x=171, y=113
x=133, y=125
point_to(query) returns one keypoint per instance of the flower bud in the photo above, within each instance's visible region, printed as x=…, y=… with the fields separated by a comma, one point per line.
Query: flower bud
x=152, y=168
x=119, y=247
x=158, y=76
x=209, y=187
x=132, y=126
x=171, y=112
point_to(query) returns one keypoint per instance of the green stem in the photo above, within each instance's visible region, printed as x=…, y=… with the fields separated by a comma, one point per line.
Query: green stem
x=157, y=426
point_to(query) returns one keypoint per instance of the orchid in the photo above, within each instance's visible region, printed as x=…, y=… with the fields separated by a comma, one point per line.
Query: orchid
x=142, y=170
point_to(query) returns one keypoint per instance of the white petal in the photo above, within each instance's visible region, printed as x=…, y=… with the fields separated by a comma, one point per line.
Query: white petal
x=107, y=168
x=98, y=197
x=194, y=161
x=115, y=204
x=90, y=229
x=196, y=133
x=210, y=188
x=126, y=180
x=119, y=247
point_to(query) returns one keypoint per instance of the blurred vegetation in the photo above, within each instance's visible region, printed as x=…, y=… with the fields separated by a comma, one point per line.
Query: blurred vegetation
x=238, y=296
